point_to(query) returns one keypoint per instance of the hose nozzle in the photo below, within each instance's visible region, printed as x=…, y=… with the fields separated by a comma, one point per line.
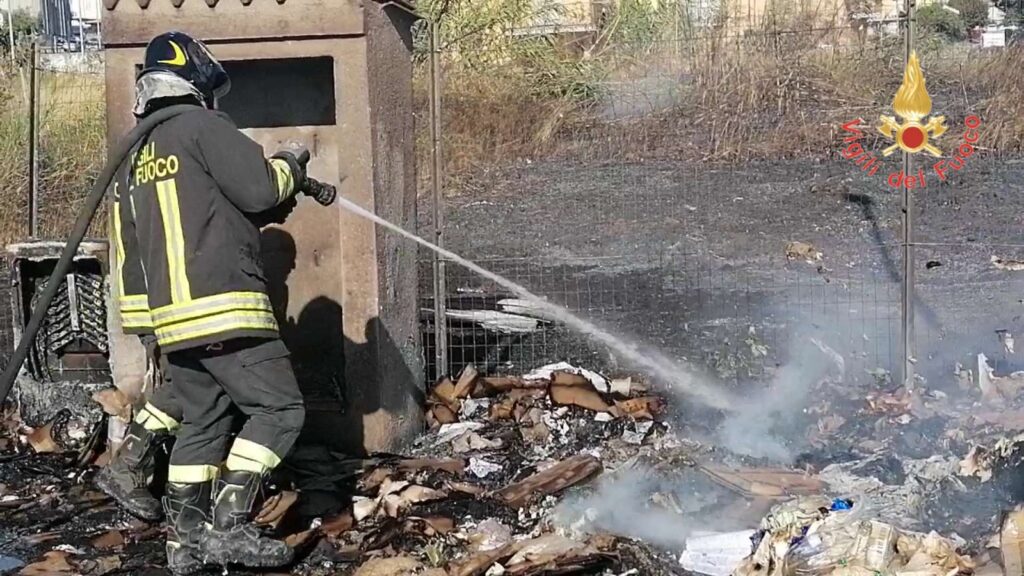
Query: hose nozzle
x=322, y=192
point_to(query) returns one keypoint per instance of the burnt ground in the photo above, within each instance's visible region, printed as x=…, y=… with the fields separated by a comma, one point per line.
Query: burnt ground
x=68, y=511
x=694, y=264
x=689, y=260
x=54, y=518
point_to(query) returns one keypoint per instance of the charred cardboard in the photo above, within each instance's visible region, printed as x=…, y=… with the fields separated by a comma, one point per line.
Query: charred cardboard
x=567, y=473
x=764, y=482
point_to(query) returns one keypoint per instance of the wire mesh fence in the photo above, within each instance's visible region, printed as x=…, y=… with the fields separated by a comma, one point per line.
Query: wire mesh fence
x=54, y=140
x=52, y=146
x=687, y=186
x=71, y=149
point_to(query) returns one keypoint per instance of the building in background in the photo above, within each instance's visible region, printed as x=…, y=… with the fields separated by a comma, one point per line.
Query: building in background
x=568, y=19
x=30, y=6
x=795, y=16
x=70, y=25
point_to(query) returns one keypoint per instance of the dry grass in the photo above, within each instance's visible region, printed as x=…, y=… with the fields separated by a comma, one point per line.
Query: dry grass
x=72, y=143
x=485, y=121
x=1000, y=85
x=766, y=97
x=13, y=157
x=771, y=101
x=71, y=150
x=732, y=99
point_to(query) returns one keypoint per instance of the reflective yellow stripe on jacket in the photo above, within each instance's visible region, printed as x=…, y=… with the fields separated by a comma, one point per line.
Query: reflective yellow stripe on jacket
x=213, y=315
x=135, y=311
x=283, y=178
x=134, y=308
x=118, y=245
x=134, y=302
x=136, y=320
x=170, y=211
x=210, y=305
x=187, y=318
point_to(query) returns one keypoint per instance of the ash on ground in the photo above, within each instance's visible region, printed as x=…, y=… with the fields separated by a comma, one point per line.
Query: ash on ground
x=565, y=471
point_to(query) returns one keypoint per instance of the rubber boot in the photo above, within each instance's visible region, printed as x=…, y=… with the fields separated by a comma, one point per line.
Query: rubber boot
x=126, y=479
x=231, y=537
x=187, y=507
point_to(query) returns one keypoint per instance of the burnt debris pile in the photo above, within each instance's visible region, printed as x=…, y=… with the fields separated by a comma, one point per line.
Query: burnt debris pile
x=567, y=471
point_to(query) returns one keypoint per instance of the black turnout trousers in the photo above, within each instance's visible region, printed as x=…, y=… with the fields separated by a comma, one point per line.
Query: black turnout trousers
x=212, y=384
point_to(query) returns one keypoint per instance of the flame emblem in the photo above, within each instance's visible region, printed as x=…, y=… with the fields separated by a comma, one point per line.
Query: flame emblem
x=913, y=105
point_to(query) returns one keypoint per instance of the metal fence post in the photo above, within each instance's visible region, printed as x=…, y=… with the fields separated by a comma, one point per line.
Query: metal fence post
x=33, y=175
x=10, y=30
x=437, y=170
x=907, y=301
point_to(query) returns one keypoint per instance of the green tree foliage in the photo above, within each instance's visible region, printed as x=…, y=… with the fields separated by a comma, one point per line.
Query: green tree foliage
x=934, y=19
x=24, y=26
x=483, y=37
x=640, y=23
x=973, y=12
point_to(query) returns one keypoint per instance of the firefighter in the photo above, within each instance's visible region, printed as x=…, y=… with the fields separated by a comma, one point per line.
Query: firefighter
x=128, y=477
x=195, y=186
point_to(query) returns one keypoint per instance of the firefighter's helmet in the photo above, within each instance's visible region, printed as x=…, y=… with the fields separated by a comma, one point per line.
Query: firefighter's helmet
x=190, y=59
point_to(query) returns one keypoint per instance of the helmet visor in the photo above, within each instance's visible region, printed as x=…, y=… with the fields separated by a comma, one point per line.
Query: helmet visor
x=213, y=77
x=224, y=87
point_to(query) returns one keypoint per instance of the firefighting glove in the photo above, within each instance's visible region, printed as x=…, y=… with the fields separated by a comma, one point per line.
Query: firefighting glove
x=154, y=369
x=149, y=342
x=276, y=215
x=296, y=158
x=322, y=192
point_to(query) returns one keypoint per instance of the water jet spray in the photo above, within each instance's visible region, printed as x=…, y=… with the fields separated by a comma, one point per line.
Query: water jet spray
x=681, y=378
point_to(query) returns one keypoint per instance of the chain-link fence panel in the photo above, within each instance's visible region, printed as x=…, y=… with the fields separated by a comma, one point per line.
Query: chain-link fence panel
x=53, y=140
x=71, y=124
x=15, y=95
x=690, y=186
x=52, y=147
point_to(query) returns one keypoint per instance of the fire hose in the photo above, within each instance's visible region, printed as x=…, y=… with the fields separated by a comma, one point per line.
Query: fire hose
x=321, y=192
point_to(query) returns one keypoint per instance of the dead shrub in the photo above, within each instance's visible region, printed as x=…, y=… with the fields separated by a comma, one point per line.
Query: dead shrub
x=1001, y=85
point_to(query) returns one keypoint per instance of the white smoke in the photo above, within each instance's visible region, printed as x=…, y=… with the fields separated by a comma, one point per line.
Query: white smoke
x=639, y=503
x=768, y=423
